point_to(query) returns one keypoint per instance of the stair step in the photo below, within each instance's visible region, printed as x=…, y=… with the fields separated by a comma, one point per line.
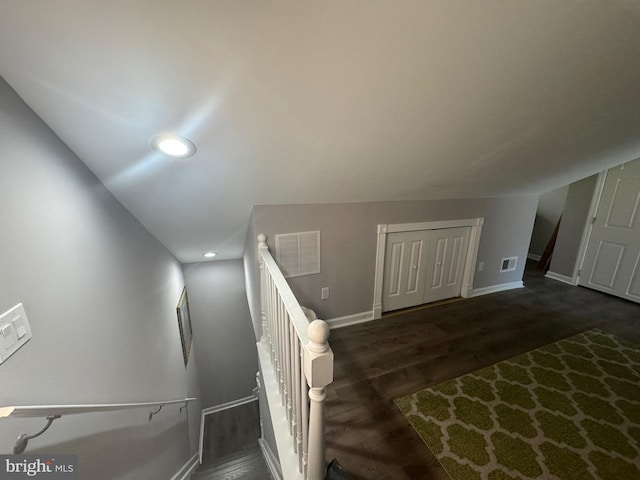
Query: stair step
x=245, y=465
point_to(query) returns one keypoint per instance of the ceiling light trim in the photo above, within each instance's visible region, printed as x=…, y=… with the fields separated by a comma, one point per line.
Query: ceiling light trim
x=173, y=145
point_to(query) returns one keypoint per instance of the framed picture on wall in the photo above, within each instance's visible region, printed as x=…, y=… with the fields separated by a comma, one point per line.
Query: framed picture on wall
x=184, y=322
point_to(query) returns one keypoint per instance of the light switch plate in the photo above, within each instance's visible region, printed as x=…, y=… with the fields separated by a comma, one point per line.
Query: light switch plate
x=14, y=331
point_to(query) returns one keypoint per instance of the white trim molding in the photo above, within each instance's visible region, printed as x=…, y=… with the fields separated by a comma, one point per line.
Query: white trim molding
x=220, y=408
x=588, y=226
x=469, y=267
x=534, y=256
x=414, y=227
x=495, y=289
x=187, y=469
x=270, y=459
x=352, y=319
x=562, y=278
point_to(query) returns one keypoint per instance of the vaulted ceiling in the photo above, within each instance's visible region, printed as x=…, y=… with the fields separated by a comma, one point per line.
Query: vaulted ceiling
x=299, y=101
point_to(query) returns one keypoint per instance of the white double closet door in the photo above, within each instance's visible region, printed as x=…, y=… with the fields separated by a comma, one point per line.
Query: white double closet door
x=423, y=266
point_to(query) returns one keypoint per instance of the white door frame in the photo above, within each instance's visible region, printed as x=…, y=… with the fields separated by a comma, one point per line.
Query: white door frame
x=469, y=265
x=586, y=234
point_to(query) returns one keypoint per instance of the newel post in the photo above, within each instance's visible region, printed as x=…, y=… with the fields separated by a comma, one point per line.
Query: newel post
x=262, y=245
x=318, y=369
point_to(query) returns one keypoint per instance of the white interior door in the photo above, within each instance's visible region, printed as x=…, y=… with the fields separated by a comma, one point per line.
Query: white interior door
x=445, y=263
x=423, y=266
x=611, y=262
x=404, y=269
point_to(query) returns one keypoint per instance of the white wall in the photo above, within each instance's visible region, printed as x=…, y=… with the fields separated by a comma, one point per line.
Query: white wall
x=100, y=293
x=223, y=338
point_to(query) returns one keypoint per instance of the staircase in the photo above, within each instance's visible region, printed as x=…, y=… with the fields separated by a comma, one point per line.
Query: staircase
x=296, y=365
x=247, y=464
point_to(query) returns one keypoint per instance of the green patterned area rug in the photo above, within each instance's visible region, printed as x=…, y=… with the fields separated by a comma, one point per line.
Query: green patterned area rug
x=567, y=411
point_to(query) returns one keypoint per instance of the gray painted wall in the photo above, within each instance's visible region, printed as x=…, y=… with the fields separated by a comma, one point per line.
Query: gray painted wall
x=349, y=238
x=224, y=341
x=348, y=249
x=100, y=293
x=550, y=207
x=574, y=218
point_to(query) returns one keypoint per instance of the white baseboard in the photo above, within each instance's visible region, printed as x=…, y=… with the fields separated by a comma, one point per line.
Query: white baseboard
x=534, y=256
x=187, y=469
x=270, y=459
x=476, y=292
x=561, y=278
x=353, y=319
x=219, y=408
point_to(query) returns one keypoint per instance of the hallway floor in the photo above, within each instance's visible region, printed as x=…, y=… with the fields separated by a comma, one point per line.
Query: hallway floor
x=230, y=446
x=404, y=352
x=247, y=464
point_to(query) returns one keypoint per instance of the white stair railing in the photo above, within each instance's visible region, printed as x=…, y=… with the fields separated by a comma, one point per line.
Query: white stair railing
x=302, y=362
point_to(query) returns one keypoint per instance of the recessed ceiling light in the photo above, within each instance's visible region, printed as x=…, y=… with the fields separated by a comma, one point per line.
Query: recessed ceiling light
x=209, y=254
x=173, y=145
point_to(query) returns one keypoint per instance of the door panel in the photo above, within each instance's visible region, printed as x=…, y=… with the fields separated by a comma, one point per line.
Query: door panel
x=607, y=264
x=405, y=265
x=445, y=265
x=395, y=268
x=415, y=261
x=457, y=261
x=634, y=286
x=611, y=259
x=437, y=262
x=624, y=206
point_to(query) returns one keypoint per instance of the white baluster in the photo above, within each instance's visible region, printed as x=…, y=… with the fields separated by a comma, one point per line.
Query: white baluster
x=304, y=420
x=270, y=320
x=276, y=342
x=295, y=382
x=283, y=359
x=287, y=367
x=295, y=393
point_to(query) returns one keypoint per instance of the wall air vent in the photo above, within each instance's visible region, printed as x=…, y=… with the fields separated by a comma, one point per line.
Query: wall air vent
x=298, y=254
x=509, y=264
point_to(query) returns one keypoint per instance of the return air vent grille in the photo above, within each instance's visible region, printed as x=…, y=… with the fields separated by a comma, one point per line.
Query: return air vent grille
x=509, y=264
x=298, y=254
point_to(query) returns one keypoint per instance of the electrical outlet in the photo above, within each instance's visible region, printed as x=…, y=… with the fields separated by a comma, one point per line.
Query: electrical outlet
x=480, y=266
x=325, y=293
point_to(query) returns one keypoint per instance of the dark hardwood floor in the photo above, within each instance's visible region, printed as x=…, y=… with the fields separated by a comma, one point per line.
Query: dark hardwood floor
x=230, y=449
x=402, y=353
x=230, y=431
x=243, y=465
